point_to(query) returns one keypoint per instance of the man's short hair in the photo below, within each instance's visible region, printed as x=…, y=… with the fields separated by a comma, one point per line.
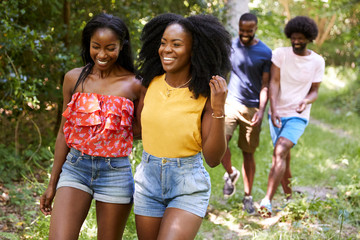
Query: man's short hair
x=248, y=17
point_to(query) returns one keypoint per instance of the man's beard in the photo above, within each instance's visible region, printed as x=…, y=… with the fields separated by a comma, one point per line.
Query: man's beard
x=299, y=49
x=248, y=41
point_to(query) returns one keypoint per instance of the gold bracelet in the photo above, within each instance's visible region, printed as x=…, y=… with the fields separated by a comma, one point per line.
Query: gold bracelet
x=222, y=116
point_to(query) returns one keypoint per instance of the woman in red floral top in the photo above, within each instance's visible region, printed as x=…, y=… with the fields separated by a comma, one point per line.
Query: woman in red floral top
x=95, y=136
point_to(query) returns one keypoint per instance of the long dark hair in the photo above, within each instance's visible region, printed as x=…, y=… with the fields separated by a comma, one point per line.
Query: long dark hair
x=211, y=47
x=103, y=20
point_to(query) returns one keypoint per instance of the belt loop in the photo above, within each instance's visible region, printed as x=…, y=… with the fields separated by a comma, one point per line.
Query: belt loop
x=178, y=162
x=147, y=156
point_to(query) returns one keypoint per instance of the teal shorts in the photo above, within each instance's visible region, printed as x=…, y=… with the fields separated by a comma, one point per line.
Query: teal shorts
x=291, y=128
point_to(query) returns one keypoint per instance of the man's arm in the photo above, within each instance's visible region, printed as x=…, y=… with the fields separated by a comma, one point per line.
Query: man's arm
x=273, y=94
x=263, y=99
x=310, y=97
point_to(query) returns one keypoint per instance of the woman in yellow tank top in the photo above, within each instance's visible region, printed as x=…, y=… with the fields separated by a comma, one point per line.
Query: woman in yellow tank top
x=182, y=115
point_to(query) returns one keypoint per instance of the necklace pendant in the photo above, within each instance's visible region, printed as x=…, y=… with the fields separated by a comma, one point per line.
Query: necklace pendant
x=168, y=91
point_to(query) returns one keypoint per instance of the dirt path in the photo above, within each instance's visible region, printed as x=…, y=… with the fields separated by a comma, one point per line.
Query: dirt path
x=330, y=128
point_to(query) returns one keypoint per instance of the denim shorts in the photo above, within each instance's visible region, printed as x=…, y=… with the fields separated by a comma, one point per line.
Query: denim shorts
x=291, y=128
x=162, y=183
x=106, y=179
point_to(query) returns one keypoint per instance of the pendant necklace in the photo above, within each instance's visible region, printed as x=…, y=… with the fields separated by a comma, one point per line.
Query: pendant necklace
x=168, y=91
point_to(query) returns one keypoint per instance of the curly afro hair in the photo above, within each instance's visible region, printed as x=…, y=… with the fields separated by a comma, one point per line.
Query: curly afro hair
x=211, y=46
x=302, y=24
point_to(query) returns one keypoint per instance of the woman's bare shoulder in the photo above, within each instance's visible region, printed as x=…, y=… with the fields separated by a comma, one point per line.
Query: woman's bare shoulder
x=73, y=74
x=71, y=78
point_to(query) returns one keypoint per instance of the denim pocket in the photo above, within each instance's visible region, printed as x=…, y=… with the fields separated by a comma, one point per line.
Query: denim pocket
x=72, y=159
x=119, y=164
x=205, y=176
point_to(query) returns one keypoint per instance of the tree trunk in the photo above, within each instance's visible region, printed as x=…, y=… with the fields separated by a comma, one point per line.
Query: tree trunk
x=66, y=19
x=285, y=4
x=235, y=9
x=66, y=16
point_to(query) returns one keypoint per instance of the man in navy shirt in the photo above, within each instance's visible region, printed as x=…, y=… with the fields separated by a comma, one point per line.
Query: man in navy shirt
x=246, y=103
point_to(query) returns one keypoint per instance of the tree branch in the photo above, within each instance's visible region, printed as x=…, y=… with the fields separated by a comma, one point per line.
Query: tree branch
x=326, y=33
x=285, y=3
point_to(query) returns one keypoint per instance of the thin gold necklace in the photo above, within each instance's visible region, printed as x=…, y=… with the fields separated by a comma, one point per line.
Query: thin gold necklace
x=168, y=91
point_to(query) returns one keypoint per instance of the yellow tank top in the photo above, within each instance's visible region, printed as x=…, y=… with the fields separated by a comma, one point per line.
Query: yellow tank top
x=171, y=120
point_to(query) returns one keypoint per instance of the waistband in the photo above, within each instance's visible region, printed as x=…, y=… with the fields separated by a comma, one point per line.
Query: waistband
x=76, y=152
x=290, y=118
x=179, y=161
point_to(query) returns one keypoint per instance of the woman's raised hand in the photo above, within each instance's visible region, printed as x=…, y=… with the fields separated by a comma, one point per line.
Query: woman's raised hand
x=219, y=91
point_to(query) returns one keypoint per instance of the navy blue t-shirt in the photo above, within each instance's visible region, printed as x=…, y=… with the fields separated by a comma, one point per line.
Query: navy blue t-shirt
x=248, y=65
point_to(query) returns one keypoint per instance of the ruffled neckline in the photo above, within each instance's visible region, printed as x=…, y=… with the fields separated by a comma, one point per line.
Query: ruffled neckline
x=75, y=95
x=87, y=108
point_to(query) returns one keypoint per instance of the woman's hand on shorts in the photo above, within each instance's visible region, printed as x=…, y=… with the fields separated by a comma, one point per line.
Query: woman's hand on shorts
x=46, y=201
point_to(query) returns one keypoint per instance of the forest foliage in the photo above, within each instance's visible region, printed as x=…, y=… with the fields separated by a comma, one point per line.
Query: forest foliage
x=40, y=42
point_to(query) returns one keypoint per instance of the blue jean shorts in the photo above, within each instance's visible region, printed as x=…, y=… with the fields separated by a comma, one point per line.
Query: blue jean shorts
x=162, y=183
x=106, y=179
x=291, y=128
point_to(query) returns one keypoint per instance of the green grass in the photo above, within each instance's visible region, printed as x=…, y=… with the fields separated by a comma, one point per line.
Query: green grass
x=327, y=155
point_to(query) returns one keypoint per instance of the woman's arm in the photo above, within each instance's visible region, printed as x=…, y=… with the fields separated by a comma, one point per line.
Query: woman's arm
x=61, y=149
x=213, y=123
x=138, y=90
x=139, y=104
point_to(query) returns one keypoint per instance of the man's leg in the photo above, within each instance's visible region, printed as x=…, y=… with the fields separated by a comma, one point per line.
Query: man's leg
x=248, y=142
x=231, y=175
x=226, y=161
x=281, y=151
x=230, y=126
x=248, y=173
x=277, y=171
x=286, y=181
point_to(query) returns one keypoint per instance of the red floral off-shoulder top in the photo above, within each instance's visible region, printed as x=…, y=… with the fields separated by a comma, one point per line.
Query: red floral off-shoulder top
x=99, y=125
